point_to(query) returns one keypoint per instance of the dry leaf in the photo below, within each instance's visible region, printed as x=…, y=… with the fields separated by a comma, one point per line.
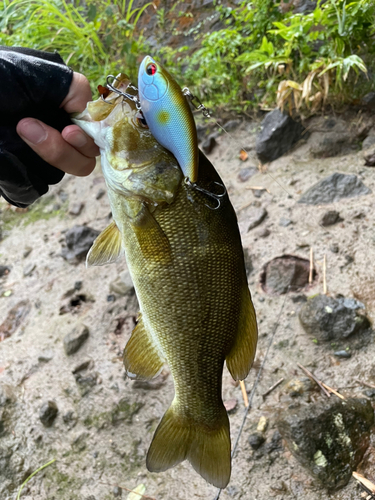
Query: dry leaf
x=243, y=155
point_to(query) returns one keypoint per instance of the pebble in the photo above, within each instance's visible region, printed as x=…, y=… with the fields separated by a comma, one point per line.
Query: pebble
x=209, y=144
x=28, y=269
x=117, y=491
x=75, y=339
x=343, y=354
x=4, y=270
x=334, y=248
x=256, y=217
x=100, y=193
x=256, y=440
x=70, y=419
x=245, y=173
x=231, y=405
x=263, y=233
x=76, y=208
x=330, y=218
x=27, y=252
x=262, y=424
x=284, y=222
x=370, y=393
x=48, y=413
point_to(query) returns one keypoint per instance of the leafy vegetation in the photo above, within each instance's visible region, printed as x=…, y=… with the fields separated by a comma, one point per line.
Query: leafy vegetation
x=95, y=37
x=262, y=55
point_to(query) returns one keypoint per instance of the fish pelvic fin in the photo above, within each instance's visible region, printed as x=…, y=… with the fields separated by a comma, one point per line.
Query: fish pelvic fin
x=242, y=353
x=142, y=360
x=107, y=247
x=207, y=448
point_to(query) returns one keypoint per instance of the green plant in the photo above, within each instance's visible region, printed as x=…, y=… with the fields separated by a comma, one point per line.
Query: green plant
x=32, y=475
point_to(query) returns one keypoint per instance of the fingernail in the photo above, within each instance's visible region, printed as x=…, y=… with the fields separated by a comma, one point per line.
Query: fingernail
x=77, y=140
x=32, y=131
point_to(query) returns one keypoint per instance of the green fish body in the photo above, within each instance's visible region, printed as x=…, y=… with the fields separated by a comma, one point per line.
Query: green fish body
x=186, y=260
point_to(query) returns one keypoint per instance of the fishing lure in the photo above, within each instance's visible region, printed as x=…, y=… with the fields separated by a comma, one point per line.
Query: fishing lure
x=168, y=115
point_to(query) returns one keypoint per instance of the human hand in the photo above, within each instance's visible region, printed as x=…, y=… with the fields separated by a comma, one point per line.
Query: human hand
x=72, y=151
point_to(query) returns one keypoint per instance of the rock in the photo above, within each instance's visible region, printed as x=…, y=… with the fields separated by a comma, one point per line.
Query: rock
x=256, y=440
x=329, y=438
x=284, y=222
x=231, y=125
x=298, y=386
x=279, y=132
x=369, y=156
x=368, y=100
x=231, y=405
x=343, y=354
x=27, y=252
x=100, y=194
x=15, y=318
x=75, y=339
x=245, y=173
x=330, y=218
x=284, y=274
x=331, y=143
x=76, y=208
x=369, y=141
x=263, y=233
x=4, y=271
x=256, y=217
x=334, y=248
x=275, y=444
x=78, y=242
x=329, y=319
x=70, y=419
x=123, y=285
x=48, y=413
x=262, y=424
x=28, y=269
x=117, y=491
x=334, y=188
x=209, y=144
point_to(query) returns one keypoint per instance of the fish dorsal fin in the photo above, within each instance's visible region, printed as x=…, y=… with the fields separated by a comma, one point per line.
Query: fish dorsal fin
x=241, y=356
x=142, y=359
x=106, y=248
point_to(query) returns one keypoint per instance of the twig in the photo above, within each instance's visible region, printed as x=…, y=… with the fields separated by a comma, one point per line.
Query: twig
x=258, y=188
x=366, y=384
x=311, y=266
x=333, y=391
x=244, y=393
x=310, y=375
x=272, y=387
x=325, y=274
x=367, y=485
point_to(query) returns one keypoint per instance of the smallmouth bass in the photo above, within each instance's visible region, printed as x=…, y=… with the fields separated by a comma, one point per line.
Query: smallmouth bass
x=186, y=261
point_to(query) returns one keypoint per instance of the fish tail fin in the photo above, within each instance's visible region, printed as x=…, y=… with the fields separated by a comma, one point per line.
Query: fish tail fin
x=206, y=447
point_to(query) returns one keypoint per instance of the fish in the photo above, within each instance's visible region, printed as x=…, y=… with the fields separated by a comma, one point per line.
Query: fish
x=185, y=257
x=168, y=115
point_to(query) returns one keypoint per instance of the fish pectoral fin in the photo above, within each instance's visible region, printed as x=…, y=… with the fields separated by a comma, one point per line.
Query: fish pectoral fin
x=206, y=448
x=141, y=358
x=153, y=242
x=106, y=248
x=241, y=356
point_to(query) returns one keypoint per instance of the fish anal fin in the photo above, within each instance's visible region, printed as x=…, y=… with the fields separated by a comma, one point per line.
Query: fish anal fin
x=242, y=353
x=106, y=248
x=206, y=448
x=142, y=360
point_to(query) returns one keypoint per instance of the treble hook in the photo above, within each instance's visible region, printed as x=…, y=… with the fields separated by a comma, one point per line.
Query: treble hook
x=216, y=197
x=110, y=86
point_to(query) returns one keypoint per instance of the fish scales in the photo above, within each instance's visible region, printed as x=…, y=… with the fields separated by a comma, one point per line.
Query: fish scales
x=186, y=261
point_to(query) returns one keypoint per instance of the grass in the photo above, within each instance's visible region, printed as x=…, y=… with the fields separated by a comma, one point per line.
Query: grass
x=32, y=475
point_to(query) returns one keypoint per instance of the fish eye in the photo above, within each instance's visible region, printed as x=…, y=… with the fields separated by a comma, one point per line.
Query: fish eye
x=140, y=119
x=151, y=69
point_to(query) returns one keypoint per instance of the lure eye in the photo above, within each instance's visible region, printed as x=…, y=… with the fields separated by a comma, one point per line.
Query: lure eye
x=151, y=69
x=140, y=119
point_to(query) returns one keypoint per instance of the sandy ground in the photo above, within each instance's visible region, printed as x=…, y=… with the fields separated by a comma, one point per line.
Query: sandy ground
x=103, y=442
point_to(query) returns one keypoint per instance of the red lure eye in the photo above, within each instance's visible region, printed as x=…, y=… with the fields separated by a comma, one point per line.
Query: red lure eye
x=151, y=69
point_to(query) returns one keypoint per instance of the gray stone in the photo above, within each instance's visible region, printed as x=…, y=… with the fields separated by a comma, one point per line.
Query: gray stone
x=334, y=188
x=329, y=437
x=331, y=143
x=100, y=194
x=369, y=141
x=48, y=413
x=117, y=491
x=275, y=444
x=78, y=242
x=123, y=285
x=231, y=125
x=256, y=217
x=245, y=173
x=28, y=269
x=4, y=271
x=368, y=100
x=76, y=208
x=256, y=440
x=330, y=218
x=329, y=319
x=284, y=274
x=279, y=132
x=284, y=222
x=209, y=144
x=343, y=354
x=75, y=339
x=369, y=156
x=27, y=252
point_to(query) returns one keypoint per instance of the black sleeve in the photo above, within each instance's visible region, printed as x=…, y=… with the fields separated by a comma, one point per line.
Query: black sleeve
x=32, y=84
